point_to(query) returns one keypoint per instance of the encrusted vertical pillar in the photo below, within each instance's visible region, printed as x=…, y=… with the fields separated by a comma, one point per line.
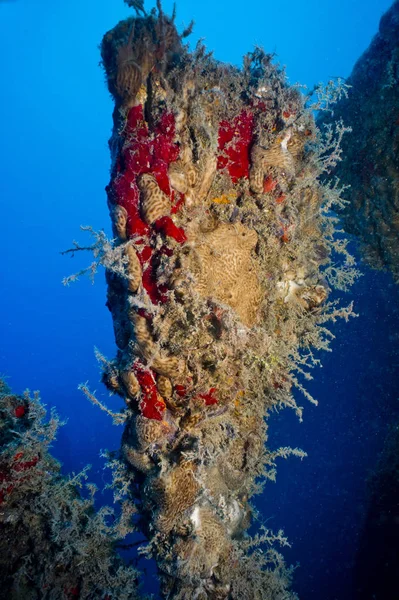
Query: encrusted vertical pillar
x=370, y=165
x=215, y=205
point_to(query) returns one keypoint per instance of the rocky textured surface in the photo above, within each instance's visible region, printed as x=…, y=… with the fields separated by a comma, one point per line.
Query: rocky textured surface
x=370, y=164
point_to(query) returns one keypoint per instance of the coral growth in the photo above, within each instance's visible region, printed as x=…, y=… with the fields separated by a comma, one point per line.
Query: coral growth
x=222, y=263
x=53, y=543
x=218, y=284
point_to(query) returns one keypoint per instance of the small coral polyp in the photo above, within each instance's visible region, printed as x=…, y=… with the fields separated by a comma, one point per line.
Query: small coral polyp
x=214, y=197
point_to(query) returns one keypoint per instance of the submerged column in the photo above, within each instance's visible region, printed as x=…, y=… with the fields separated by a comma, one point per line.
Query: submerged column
x=370, y=165
x=216, y=207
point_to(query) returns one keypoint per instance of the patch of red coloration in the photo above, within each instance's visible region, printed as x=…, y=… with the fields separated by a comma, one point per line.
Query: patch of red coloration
x=166, y=226
x=280, y=199
x=209, y=397
x=279, y=383
x=166, y=251
x=72, y=592
x=179, y=203
x=145, y=151
x=24, y=466
x=215, y=318
x=288, y=113
x=164, y=147
x=127, y=195
x=269, y=184
x=180, y=390
x=135, y=118
x=166, y=125
x=18, y=466
x=234, y=141
x=163, y=290
x=137, y=155
x=145, y=254
x=150, y=284
x=143, y=313
x=150, y=151
x=148, y=260
x=137, y=159
x=259, y=105
x=285, y=237
x=19, y=411
x=160, y=171
x=151, y=404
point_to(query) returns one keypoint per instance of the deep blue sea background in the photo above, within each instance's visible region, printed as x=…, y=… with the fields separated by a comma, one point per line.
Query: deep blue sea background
x=55, y=120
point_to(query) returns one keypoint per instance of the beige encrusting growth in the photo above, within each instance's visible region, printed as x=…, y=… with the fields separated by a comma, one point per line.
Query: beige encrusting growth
x=226, y=241
x=224, y=268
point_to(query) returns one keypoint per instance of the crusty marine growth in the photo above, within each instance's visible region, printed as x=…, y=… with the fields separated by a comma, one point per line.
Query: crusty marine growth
x=370, y=165
x=220, y=296
x=53, y=543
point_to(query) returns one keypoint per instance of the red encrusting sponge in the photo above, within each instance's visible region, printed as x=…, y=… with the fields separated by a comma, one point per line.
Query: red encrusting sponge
x=151, y=404
x=235, y=138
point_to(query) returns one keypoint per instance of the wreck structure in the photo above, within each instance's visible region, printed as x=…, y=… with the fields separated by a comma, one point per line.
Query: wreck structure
x=223, y=258
x=370, y=165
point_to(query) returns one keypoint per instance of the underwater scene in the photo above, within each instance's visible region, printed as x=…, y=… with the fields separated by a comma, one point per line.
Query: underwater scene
x=199, y=333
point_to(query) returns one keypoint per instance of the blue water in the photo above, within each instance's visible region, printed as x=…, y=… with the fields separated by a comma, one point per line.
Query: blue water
x=55, y=120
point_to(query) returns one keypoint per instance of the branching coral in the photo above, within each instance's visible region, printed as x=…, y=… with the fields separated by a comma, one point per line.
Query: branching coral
x=53, y=542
